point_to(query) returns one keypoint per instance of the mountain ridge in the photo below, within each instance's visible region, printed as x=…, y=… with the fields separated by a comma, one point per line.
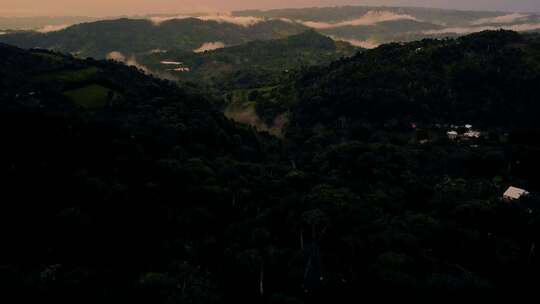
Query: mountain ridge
x=121, y=187
x=131, y=36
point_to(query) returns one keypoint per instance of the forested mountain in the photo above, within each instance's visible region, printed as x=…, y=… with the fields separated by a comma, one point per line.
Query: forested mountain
x=384, y=32
x=371, y=25
x=486, y=77
x=250, y=65
x=133, y=36
x=363, y=26
x=341, y=13
x=102, y=166
x=119, y=187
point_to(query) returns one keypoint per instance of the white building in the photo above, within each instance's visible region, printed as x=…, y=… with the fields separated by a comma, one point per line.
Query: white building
x=472, y=134
x=170, y=62
x=514, y=193
x=452, y=135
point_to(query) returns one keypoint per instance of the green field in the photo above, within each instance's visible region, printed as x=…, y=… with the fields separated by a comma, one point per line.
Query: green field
x=89, y=97
x=49, y=56
x=71, y=76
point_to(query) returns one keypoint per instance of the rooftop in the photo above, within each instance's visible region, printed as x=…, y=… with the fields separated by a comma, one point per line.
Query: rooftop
x=514, y=193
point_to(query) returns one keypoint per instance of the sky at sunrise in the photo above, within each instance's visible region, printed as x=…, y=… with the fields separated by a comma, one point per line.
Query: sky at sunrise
x=141, y=7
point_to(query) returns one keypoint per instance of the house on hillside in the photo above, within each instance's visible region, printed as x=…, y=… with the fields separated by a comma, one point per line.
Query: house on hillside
x=472, y=134
x=513, y=193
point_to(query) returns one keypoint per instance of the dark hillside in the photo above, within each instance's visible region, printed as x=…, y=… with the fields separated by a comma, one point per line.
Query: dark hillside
x=119, y=187
x=134, y=36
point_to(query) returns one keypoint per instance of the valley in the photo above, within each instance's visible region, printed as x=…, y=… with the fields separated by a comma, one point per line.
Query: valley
x=311, y=155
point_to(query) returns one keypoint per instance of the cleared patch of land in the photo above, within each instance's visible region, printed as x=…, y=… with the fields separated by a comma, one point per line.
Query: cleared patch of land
x=71, y=76
x=91, y=96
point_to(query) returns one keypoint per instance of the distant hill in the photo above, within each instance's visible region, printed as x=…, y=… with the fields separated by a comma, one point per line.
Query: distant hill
x=387, y=31
x=131, y=36
x=371, y=25
x=341, y=13
x=432, y=81
x=61, y=87
x=363, y=26
x=445, y=81
x=251, y=64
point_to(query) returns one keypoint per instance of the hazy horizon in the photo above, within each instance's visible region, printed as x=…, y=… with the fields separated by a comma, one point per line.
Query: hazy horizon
x=101, y=8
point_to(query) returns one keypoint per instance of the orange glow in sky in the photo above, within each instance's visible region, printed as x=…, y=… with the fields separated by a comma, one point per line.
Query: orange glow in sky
x=134, y=7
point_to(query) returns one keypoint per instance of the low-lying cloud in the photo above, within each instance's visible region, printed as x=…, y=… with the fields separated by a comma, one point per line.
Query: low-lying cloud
x=370, y=18
x=243, y=21
x=221, y=18
x=209, y=46
x=131, y=61
x=510, y=18
x=467, y=30
x=53, y=28
x=365, y=44
x=249, y=116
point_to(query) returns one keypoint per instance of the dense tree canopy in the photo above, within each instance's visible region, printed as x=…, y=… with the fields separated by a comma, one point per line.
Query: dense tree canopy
x=134, y=36
x=122, y=187
x=254, y=64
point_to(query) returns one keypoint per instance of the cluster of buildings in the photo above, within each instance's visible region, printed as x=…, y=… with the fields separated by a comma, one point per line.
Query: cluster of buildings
x=470, y=133
x=454, y=133
x=465, y=133
x=176, y=66
x=512, y=193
